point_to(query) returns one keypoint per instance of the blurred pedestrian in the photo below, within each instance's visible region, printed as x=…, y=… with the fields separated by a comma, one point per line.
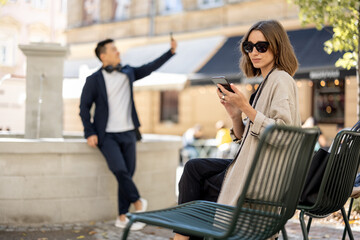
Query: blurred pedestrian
x=223, y=140
x=189, y=138
x=321, y=143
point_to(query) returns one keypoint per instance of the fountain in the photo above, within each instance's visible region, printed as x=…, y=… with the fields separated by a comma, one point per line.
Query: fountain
x=47, y=178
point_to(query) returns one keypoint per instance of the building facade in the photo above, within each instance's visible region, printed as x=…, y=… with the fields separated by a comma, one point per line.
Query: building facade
x=181, y=94
x=326, y=93
x=24, y=22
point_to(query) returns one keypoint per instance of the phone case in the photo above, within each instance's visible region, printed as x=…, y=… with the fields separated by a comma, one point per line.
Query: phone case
x=222, y=80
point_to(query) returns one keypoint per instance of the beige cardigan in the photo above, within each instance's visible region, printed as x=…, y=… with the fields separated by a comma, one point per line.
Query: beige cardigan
x=277, y=103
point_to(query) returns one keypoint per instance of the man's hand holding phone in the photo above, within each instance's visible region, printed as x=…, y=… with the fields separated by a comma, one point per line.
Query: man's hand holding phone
x=173, y=43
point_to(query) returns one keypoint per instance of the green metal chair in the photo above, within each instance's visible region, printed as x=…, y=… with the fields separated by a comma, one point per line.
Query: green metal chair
x=355, y=128
x=269, y=197
x=337, y=183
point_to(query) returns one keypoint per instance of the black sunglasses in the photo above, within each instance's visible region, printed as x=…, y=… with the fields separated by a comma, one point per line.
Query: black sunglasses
x=261, y=47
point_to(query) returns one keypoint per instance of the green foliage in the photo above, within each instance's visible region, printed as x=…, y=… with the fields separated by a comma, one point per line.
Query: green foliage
x=343, y=16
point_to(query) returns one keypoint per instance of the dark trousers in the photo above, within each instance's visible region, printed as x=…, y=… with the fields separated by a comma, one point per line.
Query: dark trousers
x=201, y=180
x=119, y=150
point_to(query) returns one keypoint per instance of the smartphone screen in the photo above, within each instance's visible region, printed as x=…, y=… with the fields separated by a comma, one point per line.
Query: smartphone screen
x=222, y=80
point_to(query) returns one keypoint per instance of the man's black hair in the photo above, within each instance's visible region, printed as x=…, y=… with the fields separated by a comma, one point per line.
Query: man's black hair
x=100, y=48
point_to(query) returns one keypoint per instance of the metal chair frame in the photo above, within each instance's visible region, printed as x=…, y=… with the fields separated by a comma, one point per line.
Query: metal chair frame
x=337, y=183
x=355, y=128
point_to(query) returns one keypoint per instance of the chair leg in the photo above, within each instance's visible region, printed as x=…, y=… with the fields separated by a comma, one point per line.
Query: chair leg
x=347, y=225
x=284, y=234
x=303, y=226
x=126, y=230
x=348, y=217
x=309, y=225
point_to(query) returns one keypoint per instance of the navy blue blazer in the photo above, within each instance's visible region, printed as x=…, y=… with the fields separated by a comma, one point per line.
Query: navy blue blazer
x=94, y=91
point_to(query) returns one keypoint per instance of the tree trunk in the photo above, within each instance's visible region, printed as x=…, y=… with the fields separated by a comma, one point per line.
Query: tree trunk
x=358, y=65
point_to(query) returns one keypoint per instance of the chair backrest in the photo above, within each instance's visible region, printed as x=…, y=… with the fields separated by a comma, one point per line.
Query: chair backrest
x=356, y=127
x=338, y=180
x=274, y=182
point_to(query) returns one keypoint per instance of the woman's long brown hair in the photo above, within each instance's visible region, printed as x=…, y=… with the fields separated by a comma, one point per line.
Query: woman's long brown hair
x=280, y=45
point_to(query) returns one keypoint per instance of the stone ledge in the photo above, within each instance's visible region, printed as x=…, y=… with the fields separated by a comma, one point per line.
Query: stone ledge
x=63, y=181
x=63, y=145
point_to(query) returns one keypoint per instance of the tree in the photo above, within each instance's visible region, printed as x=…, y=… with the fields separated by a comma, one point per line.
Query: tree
x=344, y=17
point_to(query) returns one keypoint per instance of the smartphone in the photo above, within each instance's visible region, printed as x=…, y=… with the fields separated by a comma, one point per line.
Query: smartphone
x=171, y=36
x=223, y=81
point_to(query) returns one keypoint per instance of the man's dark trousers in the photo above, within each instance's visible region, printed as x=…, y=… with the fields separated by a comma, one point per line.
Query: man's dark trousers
x=119, y=150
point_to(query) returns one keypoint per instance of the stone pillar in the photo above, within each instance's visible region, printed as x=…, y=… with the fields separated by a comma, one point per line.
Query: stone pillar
x=44, y=80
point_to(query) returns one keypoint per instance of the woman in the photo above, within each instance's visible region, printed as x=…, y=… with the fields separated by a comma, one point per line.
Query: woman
x=267, y=52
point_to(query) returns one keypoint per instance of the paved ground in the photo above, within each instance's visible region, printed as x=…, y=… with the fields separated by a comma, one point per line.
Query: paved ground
x=107, y=231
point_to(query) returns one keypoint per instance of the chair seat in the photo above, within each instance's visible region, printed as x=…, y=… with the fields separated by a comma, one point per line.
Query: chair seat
x=203, y=218
x=315, y=215
x=196, y=217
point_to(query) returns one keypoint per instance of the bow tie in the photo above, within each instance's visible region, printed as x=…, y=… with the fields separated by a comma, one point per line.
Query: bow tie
x=111, y=68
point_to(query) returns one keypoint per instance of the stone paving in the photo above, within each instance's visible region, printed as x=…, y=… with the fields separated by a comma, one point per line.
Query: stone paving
x=107, y=231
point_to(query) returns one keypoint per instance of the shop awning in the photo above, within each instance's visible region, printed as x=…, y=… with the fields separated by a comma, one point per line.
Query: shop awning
x=75, y=68
x=224, y=62
x=162, y=81
x=190, y=55
x=309, y=49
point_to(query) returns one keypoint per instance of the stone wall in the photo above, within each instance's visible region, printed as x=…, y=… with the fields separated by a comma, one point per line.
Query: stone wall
x=64, y=181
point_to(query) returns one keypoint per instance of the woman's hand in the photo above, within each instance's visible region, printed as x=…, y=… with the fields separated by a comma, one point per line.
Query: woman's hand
x=233, y=111
x=235, y=103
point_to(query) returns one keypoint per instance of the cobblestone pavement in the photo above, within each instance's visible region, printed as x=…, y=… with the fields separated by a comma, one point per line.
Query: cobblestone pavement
x=93, y=231
x=107, y=231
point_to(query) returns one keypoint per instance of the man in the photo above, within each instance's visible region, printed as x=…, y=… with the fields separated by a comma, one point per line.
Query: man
x=115, y=122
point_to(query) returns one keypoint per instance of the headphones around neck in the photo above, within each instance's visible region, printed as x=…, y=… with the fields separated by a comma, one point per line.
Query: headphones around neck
x=111, y=68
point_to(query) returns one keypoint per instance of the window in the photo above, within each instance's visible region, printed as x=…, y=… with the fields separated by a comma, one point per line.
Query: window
x=2, y=54
x=210, y=3
x=7, y=45
x=329, y=100
x=40, y=4
x=63, y=6
x=91, y=11
x=171, y=6
x=235, y=1
x=169, y=111
x=121, y=9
